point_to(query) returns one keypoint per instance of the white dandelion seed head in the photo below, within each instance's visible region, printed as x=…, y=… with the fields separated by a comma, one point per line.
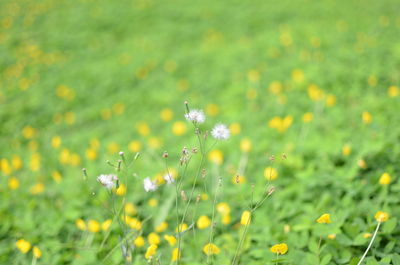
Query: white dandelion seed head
x=149, y=185
x=196, y=115
x=220, y=132
x=108, y=181
x=168, y=178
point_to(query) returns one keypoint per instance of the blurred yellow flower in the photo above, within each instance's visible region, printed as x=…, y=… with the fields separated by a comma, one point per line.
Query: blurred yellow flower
x=385, y=179
x=16, y=162
x=139, y=241
x=105, y=114
x=65, y=92
x=179, y=128
x=366, y=117
x=212, y=109
x=130, y=208
x=235, y=128
x=315, y=93
x=204, y=196
x=298, y=75
x=331, y=236
x=29, y=132
x=56, y=141
x=175, y=254
x=226, y=219
x=23, y=245
x=270, y=173
x=161, y=227
x=91, y=154
x=171, y=240
x=153, y=202
x=280, y=249
x=121, y=191
x=166, y=115
x=37, y=188
x=37, y=253
x=93, y=226
x=135, y=146
x=211, y=249
x=246, y=218
x=143, y=129
x=134, y=223
x=275, y=87
x=81, y=224
x=280, y=124
x=203, y=222
x=69, y=117
x=118, y=108
x=251, y=93
x=330, y=100
x=324, y=219
x=155, y=142
x=381, y=216
x=346, y=150
x=253, y=75
x=223, y=208
x=245, y=145
x=308, y=117
x=182, y=227
x=372, y=80
x=153, y=238
x=238, y=179
x=113, y=148
x=362, y=164
x=106, y=224
x=216, y=156
x=5, y=166
x=34, y=163
x=367, y=235
x=393, y=91
x=13, y=183
x=151, y=250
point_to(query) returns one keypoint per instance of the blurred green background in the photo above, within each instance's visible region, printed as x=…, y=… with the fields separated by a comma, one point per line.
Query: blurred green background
x=315, y=80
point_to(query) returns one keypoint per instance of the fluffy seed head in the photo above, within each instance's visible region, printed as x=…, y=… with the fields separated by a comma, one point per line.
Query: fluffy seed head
x=149, y=185
x=220, y=132
x=108, y=181
x=196, y=116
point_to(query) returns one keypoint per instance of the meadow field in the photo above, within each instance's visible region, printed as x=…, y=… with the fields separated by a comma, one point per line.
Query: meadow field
x=95, y=90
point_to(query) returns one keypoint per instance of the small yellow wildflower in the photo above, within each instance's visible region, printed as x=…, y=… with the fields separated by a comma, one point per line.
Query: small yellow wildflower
x=216, y=157
x=280, y=249
x=204, y=196
x=37, y=188
x=381, y=216
x=37, y=253
x=143, y=128
x=182, y=227
x=13, y=183
x=308, y=117
x=223, y=208
x=270, y=173
x=366, y=117
x=235, y=128
x=134, y=223
x=393, y=91
x=385, y=179
x=93, y=226
x=237, y=179
x=179, y=128
x=121, y=191
x=246, y=218
x=153, y=202
x=16, y=162
x=298, y=75
x=171, y=239
x=332, y=236
x=324, y=219
x=226, y=219
x=135, y=146
x=175, y=254
x=362, y=164
x=29, y=132
x=139, y=241
x=113, y=148
x=5, y=166
x=166, y=115
x=81, y=224
x=275, y=87
x=346, y=150
x=367, y=235
x=56, y=141
x=211, y=249
x=245, y=145
x=91, y=154
x=203, y=222
x=212, y=109
x=161, y=227
x=23, y=245
x=106, y=224
x=130, y=208
x=153, y=238
x=151, y=250
x=330, y=100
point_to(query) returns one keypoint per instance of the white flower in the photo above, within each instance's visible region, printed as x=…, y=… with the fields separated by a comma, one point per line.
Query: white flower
x=220, y=132
x=149, y=185
x=196, y=116
x=108, y=181
x=168, y=178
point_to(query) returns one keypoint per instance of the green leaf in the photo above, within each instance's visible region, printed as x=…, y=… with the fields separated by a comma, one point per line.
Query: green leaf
x=396, y=259
x=389, y=226
x=389, y=246
x=313, y=246
x=325, y=260
x=372, y=261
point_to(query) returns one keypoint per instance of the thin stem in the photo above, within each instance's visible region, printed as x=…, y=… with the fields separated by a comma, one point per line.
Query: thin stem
x=318, y=249
x=212, y=222
x=370, y=243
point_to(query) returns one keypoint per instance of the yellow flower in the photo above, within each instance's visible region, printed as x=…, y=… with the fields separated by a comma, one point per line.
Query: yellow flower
x=381, y=216
x=139, y=241
x=153, y=238
x=56, y=141
x=91, y=153
x=203, y=222
x=106, y=224
x=56, y=176
x=81, y=224
x=212, y=109
x=226, y=219
x=237, y=179
x=366, y=117
x=362, y=164
x=16, y=162
x=216, y=157
x=175, y=254
x=324, y=219
x=166, y=115
x=385, y=179
x=204, y=196
x=105, y=114
x=372, y=80
x=246, y=218
x=151, y=250
x=118, y=108
x=29, y=132
x=37, y=188
x=130, y=208
x=13, y=183
x=308, y=117
x=223, y=208
x=332, y=236
x=113, y=148
x=143, y=129
x=153, y=202
x=275, y=87
x=270, y=173
x=315, y=93
x=330, y=100
x=171, y=240
x=69, y=117
x=154, y=142
x=393, y=91
x=235, y=128
x=298, y=75
x=134, y=146
x=37, y=253
x=245, y=145
x=179, y=128
x=346, y=150
x=121, y=191
x=93, y=226
x=280, y=249
x=34, y=163
x=23, y=245
x=367, y=235
x=134, y=223
x=182, y=227
x=5, y=166
x=211, y=249
x=161, y=227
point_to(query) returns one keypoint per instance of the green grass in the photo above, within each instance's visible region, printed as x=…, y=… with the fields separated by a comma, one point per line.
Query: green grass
x=150, y=55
